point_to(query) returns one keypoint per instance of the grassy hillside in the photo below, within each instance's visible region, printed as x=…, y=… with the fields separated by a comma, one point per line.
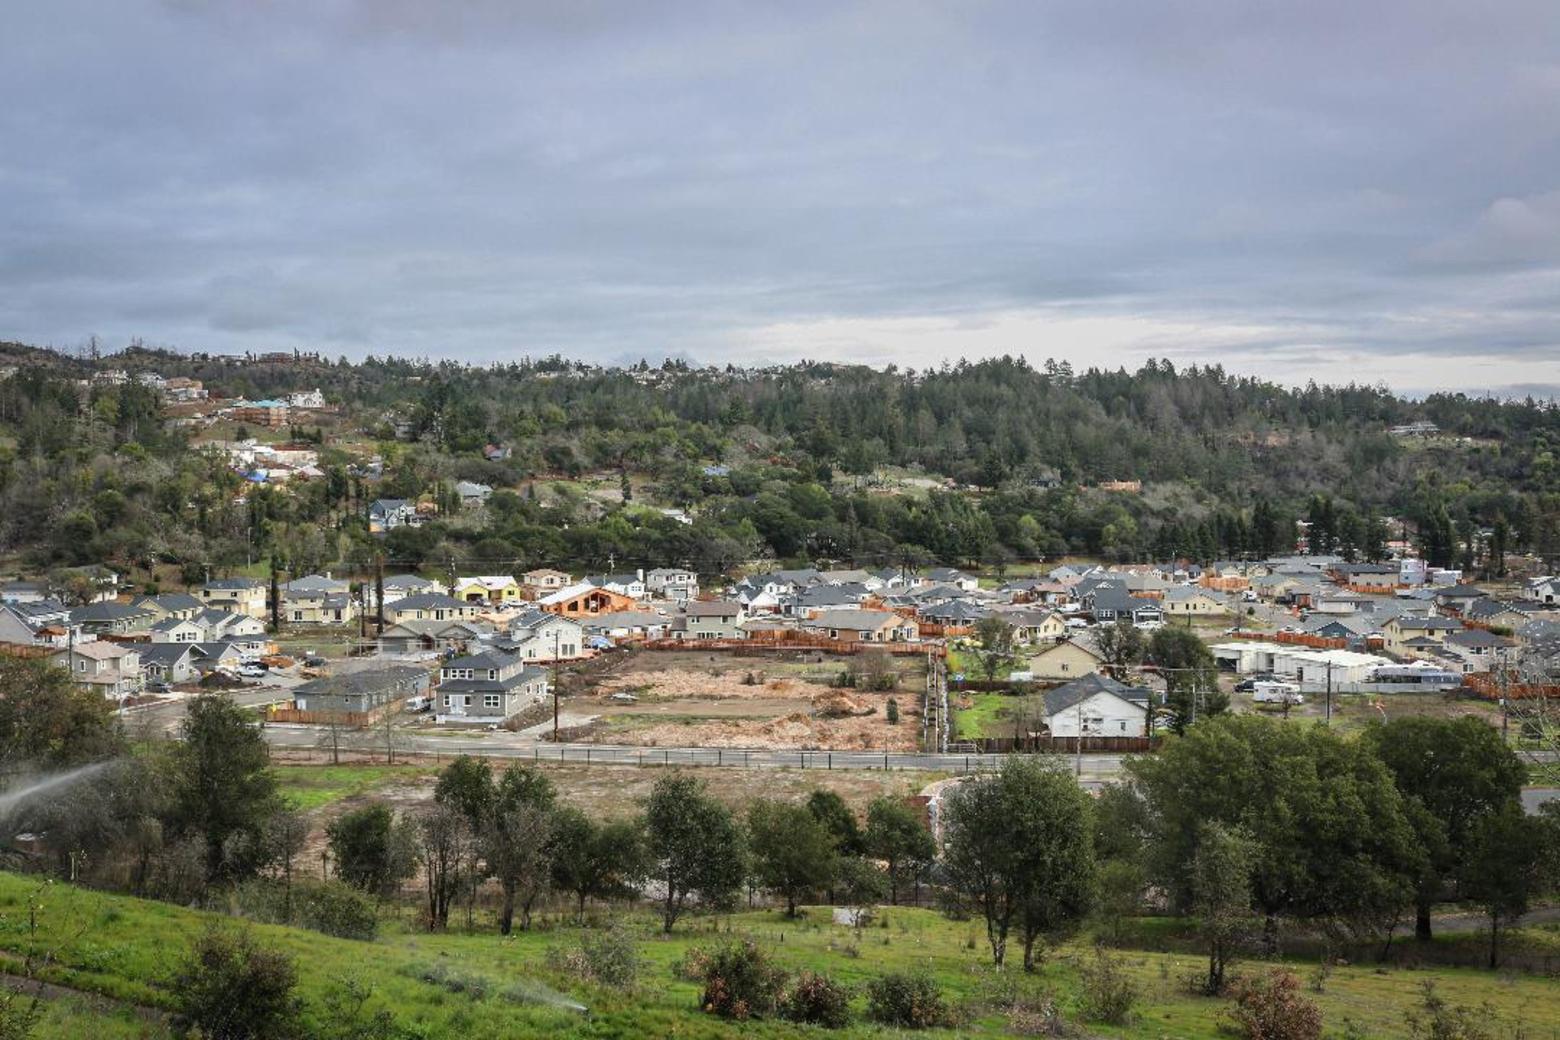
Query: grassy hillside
x=479, y=985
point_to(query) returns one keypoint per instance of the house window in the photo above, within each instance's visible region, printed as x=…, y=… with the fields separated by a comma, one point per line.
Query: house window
x=446, y=700
x=492, y=700
x=492, y=673
x=297, y=615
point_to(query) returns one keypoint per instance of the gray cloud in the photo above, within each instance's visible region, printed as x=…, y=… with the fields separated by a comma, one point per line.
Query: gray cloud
x=1325, y=189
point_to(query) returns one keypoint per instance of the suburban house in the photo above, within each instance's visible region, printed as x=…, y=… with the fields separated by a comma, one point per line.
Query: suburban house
x=239, y=595
x=177, y=630
x=631, y=585
x=223, y=656
x=864, y=626
x=169, y=662
x=1192, y=601
x=496, y=589
x=223, y=624
x=361, y=692
x=44, y=622
x=1111, y=603
x=471, y=493
x=1493, y=613
x=1036, y=626
x=1097, y=706
x=23, y=591
x=710, y=619
x=397, y=586
x=430, y=606
x=956, y=613
x=318, y=608
x=1399, y=632
x=112, y=669
x=673, y=583
x=584, y=599
x=1478, y=649
x=537, y=635
x=1068, y=659
x=386, y=514
x=1457, y=597
x=1544, y=590
x=545, y=579
x=826, y=597
x=487, y=688
x=171, y=605
x=624, y=625
x=113, y=619
x=410, y=637
x=951, y=576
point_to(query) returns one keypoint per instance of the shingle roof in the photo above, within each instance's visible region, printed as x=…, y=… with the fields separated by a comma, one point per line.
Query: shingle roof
x=1071, y=694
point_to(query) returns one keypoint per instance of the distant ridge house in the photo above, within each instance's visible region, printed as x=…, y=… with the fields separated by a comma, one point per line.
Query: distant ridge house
x=386, y=514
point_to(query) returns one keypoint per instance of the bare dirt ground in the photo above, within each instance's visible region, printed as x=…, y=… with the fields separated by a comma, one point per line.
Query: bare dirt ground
x=782, y=701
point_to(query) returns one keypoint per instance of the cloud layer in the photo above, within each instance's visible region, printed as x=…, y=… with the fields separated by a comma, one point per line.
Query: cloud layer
x=1328, y=190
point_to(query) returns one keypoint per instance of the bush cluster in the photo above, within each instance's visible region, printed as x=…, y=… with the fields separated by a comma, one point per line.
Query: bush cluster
x=817, y=1000
x=740, y=982
x=907, y=1000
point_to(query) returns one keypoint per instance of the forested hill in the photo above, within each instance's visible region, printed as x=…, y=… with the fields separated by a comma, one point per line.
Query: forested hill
x=1226, y=461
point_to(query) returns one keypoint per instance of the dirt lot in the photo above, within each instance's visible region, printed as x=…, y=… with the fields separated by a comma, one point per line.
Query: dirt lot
x=782, y=701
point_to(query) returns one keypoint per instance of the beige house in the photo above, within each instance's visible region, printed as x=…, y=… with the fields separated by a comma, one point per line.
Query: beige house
x=1036, y=626
x=235, y=595
x=1065, y=660
x=1192, y=601
x=863, y=626
x=545, y=579
x=1398, y=633
x=431, y=606
x=112, y=669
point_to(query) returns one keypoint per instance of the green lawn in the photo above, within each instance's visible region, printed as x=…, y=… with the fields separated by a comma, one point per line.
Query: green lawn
x=986, y=716
x=126, y=948
x=313, y=787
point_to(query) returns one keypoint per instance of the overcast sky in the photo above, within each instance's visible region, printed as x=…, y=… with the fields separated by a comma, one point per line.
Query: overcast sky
x=1316, y=189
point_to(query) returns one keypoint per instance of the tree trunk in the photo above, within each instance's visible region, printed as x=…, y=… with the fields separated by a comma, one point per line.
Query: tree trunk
x=581, y=915
x=790, y=904
x=1029, y=953
x=1494, y=940
x=506, y=912
x=1270, y=935
x=1422, y=920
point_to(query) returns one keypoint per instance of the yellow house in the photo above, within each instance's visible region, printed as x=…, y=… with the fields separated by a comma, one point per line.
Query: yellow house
x=1065, y=660
x=497, y=589
x=1036, y=626
x=1191, y=600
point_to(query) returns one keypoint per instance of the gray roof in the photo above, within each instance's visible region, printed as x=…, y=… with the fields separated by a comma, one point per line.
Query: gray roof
x=164, y=654
x=177, y=601
x=234, y=584
x=712, y=608
x=367, y=681
x=315, y=583
x=1071, y=694
x=427, y=601
x=108, y=612
x=855, y=620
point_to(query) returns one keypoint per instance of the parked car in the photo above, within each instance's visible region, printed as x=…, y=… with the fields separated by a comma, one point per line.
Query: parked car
x=417, y=704
x=252, y=671
x=157, y=686
x=314, y=661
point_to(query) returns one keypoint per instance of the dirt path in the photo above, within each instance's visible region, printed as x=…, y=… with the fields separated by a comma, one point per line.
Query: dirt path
x=96, y=1001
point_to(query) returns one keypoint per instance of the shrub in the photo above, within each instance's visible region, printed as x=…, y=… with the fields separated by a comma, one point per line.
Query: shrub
x=608, y=956
x=1273, y=1008
x=893, y=712
x=910, y=1001
x=229, y=988
x=740, y=982
x=817, y=1000
x=1109, y=994
x=1442, y=1021
x=336, y=908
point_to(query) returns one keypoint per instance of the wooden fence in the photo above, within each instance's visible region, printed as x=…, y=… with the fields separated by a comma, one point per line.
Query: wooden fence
x=1295, y=639
x=768, y=642
x=1491, y=687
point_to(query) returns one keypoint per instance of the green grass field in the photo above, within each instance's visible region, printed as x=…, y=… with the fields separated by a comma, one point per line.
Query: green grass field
x=314, y=787
x=986, y=716
x=125, y=949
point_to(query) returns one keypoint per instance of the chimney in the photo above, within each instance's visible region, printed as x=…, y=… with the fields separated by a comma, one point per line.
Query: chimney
x=639, y=574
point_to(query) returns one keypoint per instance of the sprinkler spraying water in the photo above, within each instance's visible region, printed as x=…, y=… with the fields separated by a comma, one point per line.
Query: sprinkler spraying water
x=18, y=796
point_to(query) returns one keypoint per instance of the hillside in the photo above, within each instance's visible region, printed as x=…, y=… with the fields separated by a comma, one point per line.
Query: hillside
x=481, y=986
x=974, y=463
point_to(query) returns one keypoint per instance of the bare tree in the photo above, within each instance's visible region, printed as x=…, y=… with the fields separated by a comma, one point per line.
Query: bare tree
x=444, y=842
x=335, y=733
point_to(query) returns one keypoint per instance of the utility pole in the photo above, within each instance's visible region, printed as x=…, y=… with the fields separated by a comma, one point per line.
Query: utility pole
x=555, y=685
x=1079, y=767
x=276, y=599
x=1329, y=693
x=379, y=592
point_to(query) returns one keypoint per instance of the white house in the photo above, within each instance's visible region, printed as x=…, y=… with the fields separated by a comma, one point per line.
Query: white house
x=1097, y=706
x=674, y=583
x=538, y=635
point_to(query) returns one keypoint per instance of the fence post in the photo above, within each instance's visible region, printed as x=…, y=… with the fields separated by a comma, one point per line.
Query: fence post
x=831, y=760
